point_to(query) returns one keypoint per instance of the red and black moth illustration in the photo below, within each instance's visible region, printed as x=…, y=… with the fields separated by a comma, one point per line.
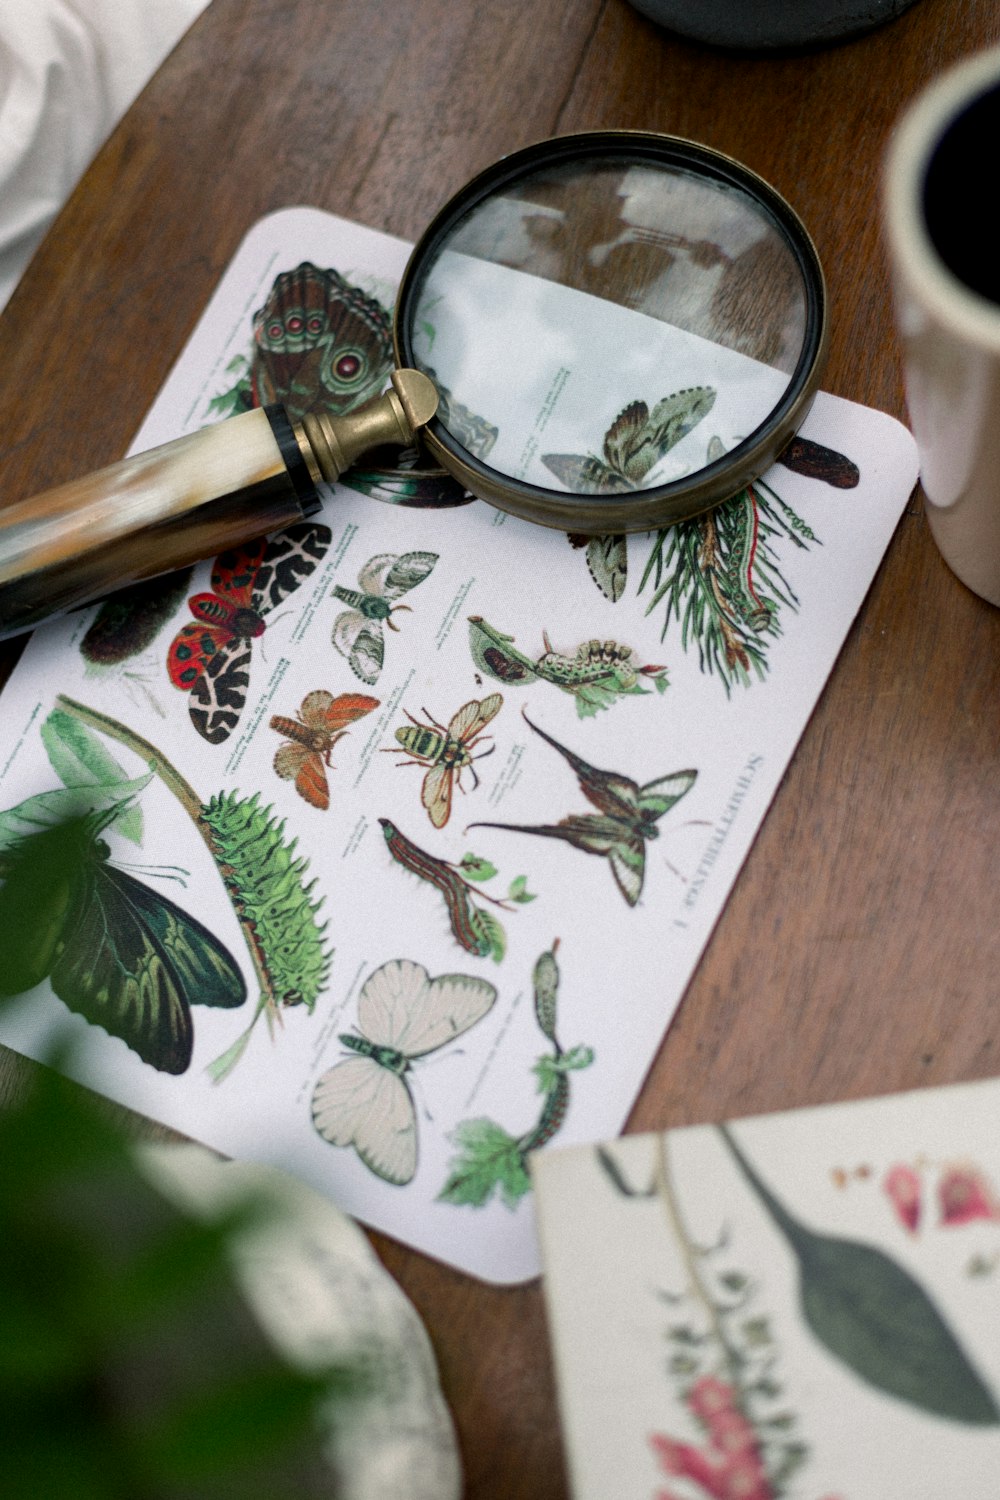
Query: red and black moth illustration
x=210, y=657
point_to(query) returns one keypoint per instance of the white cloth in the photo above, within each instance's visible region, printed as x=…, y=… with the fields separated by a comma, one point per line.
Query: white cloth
x=69, y=69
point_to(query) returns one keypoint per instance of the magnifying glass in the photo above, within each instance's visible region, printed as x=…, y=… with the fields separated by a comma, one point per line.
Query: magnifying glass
x=605, y=332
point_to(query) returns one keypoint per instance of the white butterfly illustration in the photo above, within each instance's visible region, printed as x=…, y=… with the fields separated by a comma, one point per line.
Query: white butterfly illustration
x=403, y=1015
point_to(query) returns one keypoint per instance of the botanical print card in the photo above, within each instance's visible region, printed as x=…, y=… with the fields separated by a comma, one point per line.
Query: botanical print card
x=799, y=1304
x=367, y=831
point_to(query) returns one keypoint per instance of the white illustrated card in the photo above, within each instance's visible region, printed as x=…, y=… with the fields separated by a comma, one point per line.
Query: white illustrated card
x=391, y=843
x=799, y=1304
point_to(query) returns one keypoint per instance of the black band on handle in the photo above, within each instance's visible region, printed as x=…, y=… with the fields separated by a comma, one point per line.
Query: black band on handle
x=291, y=453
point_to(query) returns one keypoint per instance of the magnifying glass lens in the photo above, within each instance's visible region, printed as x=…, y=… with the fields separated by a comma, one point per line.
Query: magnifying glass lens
x=623, y=330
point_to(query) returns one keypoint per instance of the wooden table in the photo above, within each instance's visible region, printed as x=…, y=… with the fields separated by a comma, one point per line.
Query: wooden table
x=860, y=950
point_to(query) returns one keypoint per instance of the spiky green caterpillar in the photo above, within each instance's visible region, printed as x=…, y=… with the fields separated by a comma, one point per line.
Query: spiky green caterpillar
x=266, y=884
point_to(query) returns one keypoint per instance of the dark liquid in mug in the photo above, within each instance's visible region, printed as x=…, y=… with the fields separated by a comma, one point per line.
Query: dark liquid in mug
x=958, y=196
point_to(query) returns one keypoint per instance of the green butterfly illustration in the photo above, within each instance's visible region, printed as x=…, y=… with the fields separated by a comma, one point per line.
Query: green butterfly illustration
x=634, y=444
x=117, y=953
x=627, y=815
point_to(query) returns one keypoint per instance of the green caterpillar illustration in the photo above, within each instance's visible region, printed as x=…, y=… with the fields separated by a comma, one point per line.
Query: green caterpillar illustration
x=265, y=881
x=597, y=673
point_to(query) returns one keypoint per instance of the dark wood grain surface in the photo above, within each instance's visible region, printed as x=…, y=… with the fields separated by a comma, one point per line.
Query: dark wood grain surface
x=860, y=950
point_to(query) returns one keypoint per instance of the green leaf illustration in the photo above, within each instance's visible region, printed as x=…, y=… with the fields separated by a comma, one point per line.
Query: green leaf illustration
x=473, y=867
x=493, y=932
x=519, y=891
x=49, y=809
x=873, y=1316
x=548, y=1069
x=79, y=758
x=491, y=1161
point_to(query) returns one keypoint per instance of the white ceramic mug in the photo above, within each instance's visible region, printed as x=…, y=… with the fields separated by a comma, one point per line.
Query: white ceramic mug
x=940, y=209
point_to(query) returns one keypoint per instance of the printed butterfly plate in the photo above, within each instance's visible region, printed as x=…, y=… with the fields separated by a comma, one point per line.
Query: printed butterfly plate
x=210, y=657
x=403, y=1015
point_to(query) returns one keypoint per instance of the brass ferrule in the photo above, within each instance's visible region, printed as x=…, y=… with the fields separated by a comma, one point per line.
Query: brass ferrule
x=331, y=444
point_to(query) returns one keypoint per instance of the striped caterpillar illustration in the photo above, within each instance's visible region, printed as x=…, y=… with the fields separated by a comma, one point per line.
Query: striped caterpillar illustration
x=742, y=558
x=475, y=930
x=491, y=1159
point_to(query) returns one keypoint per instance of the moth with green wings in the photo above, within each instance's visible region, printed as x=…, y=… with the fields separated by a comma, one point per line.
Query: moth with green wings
x=626, y=818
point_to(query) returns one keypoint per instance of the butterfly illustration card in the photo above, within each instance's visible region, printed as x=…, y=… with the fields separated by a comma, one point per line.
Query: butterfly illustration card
x=339, y=851
x=797, y=1304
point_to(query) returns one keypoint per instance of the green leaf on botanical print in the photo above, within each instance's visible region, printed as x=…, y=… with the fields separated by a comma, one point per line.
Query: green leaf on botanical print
x=491, y=1161
x=683, y=1334
x=519, y=891
x=592, y=697
x=875, y=1317
x=793, y=1456
x=662, y=682
x=474, y=867
x=757, y=1333
x=49, y=809
x=548, y=1069
x=79, y=758
x=492, y=931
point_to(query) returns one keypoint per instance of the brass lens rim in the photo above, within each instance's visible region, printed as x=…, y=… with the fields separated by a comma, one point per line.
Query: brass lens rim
x=662, y=505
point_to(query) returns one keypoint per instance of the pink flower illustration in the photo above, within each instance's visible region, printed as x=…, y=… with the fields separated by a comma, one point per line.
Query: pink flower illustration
x=729, y=1466
x=902, y=1186
x=964, y=1195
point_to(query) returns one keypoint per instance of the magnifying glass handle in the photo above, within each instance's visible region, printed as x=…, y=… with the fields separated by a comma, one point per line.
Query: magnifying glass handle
x=215, y=489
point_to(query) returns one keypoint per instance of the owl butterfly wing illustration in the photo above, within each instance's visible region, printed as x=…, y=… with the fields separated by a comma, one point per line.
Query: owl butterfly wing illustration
x=804, y=456
x=120, y=955
x=402, y=1014
x=130, y=620
x=210, y=658
x=323, y=720
x=607, y=561
x=320, y=344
